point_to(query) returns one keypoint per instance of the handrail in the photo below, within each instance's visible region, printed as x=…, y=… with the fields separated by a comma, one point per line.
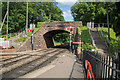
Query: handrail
x=93, y=42
x=103, y=36
x=89, y=70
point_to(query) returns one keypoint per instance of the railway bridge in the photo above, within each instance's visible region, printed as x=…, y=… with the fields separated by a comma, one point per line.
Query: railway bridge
x=43, y=38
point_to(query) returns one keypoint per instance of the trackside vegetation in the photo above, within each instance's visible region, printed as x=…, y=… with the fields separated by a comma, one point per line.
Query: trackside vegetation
x=114, y=41
x=85, y=37
x=23, y=39
x=62, y=38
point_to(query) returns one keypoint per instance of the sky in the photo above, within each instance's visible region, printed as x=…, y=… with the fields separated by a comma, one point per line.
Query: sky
x=65, y=6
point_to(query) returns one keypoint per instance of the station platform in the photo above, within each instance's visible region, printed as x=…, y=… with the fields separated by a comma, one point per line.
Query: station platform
x=65, y=66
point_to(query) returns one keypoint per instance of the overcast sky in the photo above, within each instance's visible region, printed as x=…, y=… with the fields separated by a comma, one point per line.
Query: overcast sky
x=65, y=6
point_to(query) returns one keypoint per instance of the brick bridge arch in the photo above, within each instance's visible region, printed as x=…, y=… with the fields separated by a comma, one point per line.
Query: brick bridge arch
x=49, y=35
x=43, y=38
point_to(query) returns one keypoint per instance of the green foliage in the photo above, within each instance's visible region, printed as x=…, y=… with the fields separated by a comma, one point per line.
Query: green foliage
x=96, y=12
x=23, y=39
x=116, y=19
x=88, y=47
x=62, y=37
x=9, y=35
x=112, y=33
x=40, y=24
x=114, y=41
x=37, y=12
x=85, y=37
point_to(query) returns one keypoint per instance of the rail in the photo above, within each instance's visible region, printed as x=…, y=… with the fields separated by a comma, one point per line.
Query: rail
x=108, y=41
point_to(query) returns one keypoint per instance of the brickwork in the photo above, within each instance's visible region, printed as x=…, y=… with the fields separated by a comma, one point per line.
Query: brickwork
x=43, y=38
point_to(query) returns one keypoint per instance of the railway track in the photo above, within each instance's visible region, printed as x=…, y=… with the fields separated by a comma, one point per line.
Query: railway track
x=20, y=65
x=20, y=54
x=20, y=57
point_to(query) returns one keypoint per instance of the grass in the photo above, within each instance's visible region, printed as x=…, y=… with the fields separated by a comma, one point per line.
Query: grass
x=85, y=37
x=114, y=41
x=112, y=33
x=57, y=43
x=23, y=39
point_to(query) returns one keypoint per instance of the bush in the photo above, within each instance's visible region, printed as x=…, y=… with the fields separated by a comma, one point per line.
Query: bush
x=114, y=41
x=85, y=37
x=23, y=39
x=40, y=24
x=89, y=47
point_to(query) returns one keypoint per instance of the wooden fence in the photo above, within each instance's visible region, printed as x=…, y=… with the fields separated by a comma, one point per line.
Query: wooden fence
x=103, y=66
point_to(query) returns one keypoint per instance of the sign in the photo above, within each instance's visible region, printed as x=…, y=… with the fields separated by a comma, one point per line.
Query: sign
x=78, y=42
x=68, y=29
x=29, y=30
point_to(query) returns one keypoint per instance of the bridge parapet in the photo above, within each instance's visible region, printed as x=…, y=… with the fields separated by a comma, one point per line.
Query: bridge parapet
x=63, y=24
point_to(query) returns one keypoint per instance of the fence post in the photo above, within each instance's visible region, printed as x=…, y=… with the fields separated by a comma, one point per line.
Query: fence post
x=119, y=62
x=112, y=74
x=98, y=25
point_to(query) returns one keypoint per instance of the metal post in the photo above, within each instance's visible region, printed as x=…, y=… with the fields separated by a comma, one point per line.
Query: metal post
x=49, y=17
x=108, y=21
x=50, y=13
x=32, y=39
x=26, y=18
x=70, y=38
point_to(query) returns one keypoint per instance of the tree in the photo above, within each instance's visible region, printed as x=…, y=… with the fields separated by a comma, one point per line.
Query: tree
x=37, y=12
x=83, y=11
x=62, y=37
x=93, y=11
x=117, y=18
x=96, y=12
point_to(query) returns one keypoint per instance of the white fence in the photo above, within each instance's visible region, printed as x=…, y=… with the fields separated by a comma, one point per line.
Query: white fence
x=90, y=24
x=4, y=44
